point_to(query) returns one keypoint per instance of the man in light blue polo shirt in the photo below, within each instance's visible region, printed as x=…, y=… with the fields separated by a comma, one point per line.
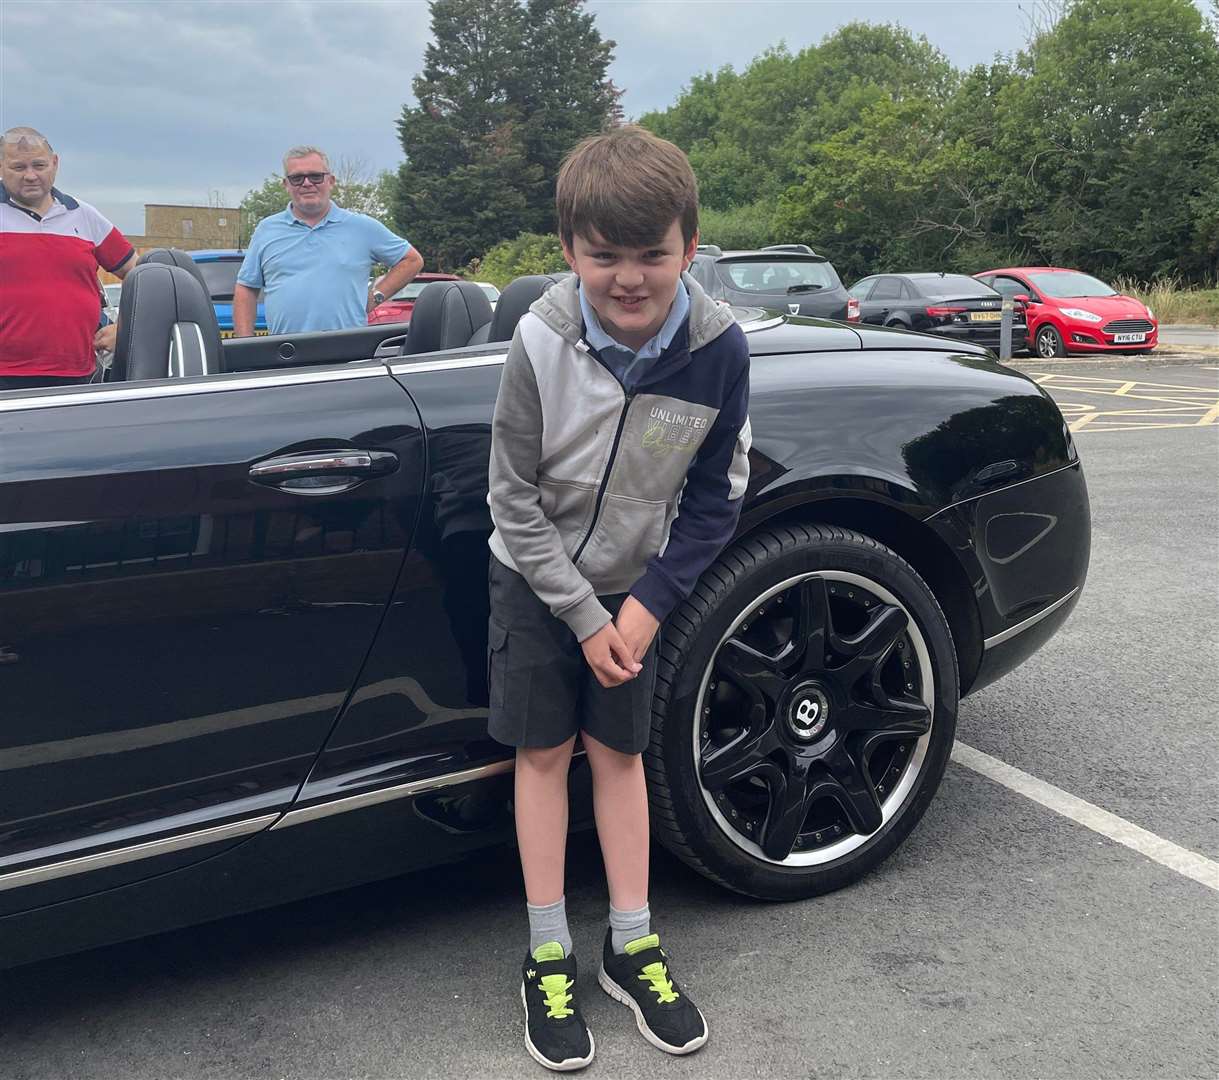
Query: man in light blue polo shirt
x=312, y=260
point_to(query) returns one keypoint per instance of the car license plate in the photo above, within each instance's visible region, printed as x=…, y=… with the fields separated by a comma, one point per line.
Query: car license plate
x=231, y=333
x=1123, y=339
x=985, y=316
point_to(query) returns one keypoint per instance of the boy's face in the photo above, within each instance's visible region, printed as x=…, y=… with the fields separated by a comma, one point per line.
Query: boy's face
x=630, y=289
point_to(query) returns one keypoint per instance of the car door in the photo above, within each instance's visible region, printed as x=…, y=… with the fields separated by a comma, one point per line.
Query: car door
x=192, y=572
x=419, y=713
x=1011, y=287
x=885, y=294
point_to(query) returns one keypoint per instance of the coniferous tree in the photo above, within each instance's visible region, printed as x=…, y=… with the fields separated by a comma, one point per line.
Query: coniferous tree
x=506, y=89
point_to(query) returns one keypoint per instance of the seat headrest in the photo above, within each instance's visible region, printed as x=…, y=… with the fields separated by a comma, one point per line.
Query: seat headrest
x=446, y=316
x=174, y=257
x=166, y=321
x=518, y=296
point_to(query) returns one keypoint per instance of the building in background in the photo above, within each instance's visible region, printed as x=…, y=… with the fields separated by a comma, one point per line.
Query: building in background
x=191, y=228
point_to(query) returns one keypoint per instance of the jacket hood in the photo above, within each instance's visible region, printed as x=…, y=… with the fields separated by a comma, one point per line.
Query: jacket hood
x=559, y=309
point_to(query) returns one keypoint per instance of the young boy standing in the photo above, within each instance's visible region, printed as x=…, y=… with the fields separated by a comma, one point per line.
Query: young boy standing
x=618, y=463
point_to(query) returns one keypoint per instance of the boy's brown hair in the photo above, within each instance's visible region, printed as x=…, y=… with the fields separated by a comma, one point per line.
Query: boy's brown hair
x=629, y=186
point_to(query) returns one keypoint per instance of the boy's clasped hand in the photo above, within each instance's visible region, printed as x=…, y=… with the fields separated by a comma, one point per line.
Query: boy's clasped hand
x=615, y=650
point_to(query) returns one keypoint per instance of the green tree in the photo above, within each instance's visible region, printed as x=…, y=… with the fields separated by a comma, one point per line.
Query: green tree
x=529, y=253
x=750, y=135
x=1112, y=135
x=562, y=92
x=261, y=202
x=890, y=194
x=750, y=226
x=506, y=88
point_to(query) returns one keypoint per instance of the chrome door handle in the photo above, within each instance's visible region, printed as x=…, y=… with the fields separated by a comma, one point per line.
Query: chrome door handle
x=322, y=472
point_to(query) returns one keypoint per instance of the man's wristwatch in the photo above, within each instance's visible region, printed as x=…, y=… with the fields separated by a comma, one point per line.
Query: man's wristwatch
x=378, y=297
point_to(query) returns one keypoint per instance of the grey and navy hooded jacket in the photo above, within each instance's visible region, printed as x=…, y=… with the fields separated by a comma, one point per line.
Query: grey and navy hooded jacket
x=595, y=490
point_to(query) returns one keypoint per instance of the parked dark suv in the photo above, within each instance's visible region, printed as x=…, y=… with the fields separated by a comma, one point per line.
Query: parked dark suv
x=791, y=278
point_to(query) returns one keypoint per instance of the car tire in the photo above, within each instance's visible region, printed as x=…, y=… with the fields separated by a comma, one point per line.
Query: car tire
x=897, y=324
x=1048, y=343
x=806, y=701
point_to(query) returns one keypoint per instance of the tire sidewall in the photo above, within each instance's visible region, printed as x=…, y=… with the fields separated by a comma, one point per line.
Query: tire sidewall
x=1052, y=333
x=788, y=554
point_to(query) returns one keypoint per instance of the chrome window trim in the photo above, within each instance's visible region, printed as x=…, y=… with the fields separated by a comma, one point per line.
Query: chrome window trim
x=388, y=794
x=214, y=384
x=1032, y=620
x=403, y=367
x=149, y=849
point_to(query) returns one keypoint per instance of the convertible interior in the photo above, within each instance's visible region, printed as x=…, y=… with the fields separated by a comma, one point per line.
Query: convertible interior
x=168, y=329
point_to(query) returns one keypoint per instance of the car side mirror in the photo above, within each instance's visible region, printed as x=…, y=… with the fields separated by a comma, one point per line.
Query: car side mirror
x=1023, y=298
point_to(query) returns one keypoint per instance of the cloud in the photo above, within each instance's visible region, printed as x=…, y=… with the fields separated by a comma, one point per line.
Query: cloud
x=166, y=102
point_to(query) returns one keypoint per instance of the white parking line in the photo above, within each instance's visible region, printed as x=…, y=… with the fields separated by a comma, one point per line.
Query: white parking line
x=1188, y=863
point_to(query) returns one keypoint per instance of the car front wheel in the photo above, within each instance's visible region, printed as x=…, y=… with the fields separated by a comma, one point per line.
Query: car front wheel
x=805, y=707
x=1049, y=343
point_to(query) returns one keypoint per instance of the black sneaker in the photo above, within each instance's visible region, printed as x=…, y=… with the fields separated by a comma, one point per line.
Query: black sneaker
x=555, y=1033
x=641, y=978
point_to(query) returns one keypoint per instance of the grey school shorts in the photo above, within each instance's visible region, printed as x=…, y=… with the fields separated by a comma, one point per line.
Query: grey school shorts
x=542, y=689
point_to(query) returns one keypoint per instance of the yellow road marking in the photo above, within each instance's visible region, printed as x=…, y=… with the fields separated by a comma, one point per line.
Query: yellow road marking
x=1167, y=410
x=1120, y=382
x=1186, y=406
x=1137, y=427
x=1136, y=397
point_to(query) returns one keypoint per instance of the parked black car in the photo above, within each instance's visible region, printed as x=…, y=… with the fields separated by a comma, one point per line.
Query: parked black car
x=243, y=611
x=949, y=305
x=790, y=278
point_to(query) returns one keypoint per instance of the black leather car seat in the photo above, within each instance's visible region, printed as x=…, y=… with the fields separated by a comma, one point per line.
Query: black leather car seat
x=518, y=296
x=446, y=316
x=175, y=257
x=167, y=325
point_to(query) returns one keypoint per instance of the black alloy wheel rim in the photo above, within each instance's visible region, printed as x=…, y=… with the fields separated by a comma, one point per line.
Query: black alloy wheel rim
x=1047, y=343
x=813, y=718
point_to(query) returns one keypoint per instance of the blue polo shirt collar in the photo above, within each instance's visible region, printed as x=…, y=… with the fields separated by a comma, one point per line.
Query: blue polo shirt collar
x=335, y=213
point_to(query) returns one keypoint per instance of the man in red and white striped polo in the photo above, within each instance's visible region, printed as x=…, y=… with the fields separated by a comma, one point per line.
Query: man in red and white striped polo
x=50, y=248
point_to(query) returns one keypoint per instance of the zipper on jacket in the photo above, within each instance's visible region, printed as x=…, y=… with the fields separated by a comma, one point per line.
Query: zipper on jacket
x=609, y=468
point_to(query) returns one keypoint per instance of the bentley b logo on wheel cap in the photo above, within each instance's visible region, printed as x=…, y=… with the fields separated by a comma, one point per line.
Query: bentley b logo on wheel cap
x=809, y=713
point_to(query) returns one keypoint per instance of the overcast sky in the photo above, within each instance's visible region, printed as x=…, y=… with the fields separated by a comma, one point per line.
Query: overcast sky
x=147, y=101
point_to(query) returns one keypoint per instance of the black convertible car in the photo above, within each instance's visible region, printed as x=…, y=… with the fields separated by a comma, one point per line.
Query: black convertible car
x=243, y=610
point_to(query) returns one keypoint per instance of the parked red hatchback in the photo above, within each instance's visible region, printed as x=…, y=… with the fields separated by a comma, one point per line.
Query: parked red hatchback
x=1069, y=311
x=398, y=307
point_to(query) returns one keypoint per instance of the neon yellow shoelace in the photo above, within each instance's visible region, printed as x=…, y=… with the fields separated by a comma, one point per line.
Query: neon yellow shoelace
x=556, y=988
x=658, y=976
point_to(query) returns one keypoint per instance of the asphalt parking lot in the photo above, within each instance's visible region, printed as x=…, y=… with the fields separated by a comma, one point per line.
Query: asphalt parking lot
x=1020, y=932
